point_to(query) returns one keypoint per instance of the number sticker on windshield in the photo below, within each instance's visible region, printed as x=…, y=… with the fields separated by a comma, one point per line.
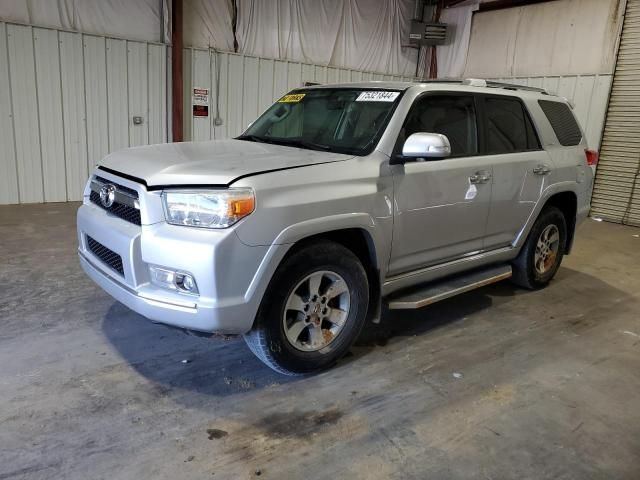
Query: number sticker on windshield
x=377, y=96
x=292, y=98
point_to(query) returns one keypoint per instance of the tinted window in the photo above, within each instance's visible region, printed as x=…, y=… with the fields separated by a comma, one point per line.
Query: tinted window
x=562, y=121
x=508, y=127
x=453, y=116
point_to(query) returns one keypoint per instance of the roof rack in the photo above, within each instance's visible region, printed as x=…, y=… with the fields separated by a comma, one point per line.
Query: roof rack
x=515, y=86
x=479, y=82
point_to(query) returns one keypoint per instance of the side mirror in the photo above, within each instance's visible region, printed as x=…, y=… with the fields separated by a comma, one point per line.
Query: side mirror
x=426, y=145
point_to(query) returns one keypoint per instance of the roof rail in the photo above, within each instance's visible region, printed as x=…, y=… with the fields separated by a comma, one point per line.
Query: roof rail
x=515, y=86
x=479, y=82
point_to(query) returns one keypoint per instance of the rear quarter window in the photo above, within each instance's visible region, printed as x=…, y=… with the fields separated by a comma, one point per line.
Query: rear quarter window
x=562, y=121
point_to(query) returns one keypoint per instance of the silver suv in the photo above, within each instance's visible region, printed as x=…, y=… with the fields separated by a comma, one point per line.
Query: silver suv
x=338, y=202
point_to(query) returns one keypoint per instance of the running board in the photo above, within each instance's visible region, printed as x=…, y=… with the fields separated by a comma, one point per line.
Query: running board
x=433, y=292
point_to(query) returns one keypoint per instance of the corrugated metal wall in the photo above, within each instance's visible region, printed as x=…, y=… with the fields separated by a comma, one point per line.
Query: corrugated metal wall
x=616, y=193
x=66, y=100
x=247, y=85
x=588, y=93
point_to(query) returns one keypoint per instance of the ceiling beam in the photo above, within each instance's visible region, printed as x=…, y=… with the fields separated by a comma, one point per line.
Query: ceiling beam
x=452, y=3
x=500, y=4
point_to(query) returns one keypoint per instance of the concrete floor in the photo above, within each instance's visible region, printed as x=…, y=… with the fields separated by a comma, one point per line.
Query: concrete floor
x=548, y=385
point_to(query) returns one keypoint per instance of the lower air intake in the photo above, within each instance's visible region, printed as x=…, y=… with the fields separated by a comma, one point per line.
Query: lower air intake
x=108, y=257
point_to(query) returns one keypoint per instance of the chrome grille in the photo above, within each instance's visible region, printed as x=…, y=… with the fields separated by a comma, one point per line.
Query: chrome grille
x=108, y=257
x=125, y=212
x=122, y=188
x=125, y=205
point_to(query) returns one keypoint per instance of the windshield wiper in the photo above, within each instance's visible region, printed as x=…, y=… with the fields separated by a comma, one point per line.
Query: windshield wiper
x=254, y=138
x=290, y=142
x=298, y=142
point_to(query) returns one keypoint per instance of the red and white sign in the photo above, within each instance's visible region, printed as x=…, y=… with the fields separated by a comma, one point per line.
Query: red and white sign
x=200, y=102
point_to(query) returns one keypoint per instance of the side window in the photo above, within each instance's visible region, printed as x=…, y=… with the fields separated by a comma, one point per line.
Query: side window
x=562, y=121
x=453, y=116
x=508, y=127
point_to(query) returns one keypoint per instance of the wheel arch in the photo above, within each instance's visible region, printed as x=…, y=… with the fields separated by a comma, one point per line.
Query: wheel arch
x=561, y=196
x=567, y=203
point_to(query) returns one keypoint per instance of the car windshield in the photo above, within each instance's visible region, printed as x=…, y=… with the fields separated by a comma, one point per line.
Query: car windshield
x=335, y=120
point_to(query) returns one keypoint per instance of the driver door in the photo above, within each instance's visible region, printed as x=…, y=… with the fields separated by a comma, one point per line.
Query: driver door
x=441, y=205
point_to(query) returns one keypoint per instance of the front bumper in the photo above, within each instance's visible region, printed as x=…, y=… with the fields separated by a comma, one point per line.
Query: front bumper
x=230, y=275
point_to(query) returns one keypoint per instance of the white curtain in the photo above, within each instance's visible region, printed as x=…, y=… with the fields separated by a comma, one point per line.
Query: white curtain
x=358, y=34
x=136, y=20
x=367, y=35
x=569, y=37
x=452, y=57
x=207, y=23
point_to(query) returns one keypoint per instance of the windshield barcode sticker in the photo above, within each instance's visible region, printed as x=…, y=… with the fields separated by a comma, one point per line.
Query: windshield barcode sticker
x=292, y=98
x=377, y=96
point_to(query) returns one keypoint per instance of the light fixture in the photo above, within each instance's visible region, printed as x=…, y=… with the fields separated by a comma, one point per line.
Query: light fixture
x=173, y=280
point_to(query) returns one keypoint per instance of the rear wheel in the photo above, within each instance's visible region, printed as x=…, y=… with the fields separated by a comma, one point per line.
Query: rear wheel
x=542, y=253
x=313, y=310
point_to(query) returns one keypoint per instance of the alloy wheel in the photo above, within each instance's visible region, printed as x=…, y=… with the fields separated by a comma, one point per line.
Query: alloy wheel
x=547, y=249
x=316, y=311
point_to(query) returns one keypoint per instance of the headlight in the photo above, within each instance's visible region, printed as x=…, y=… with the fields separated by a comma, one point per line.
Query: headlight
x=208, y=208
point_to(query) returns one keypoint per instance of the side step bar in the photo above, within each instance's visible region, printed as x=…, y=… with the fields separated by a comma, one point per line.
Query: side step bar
x=433, y=292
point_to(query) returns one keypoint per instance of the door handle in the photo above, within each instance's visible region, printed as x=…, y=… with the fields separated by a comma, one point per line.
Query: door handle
x=541, y=169
x=480, y=177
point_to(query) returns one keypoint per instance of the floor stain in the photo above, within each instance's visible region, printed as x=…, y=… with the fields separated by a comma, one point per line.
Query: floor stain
x=214, y=433
x=297, y=423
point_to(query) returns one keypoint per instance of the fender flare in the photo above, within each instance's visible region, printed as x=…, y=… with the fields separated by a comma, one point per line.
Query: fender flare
x=547, y=193
x=316, y=226
x=307, y=228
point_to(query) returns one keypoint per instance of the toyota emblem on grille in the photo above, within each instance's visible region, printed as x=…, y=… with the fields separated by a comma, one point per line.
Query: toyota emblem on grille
x=107, y=195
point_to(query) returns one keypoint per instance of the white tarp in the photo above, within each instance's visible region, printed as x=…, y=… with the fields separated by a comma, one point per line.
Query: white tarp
x=358, y=34
x=207, y=23
x=452, y=57
x=566, y=37
x=136, y=20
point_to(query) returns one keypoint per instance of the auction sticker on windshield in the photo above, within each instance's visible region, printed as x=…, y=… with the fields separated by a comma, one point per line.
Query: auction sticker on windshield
x=377, y=96
x=292, y=98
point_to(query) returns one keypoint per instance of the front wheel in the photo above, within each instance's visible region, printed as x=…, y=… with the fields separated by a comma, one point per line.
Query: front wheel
x=313, y=310
x=542, y=253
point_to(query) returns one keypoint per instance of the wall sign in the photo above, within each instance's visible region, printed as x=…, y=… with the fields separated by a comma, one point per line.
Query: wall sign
x=200, y=102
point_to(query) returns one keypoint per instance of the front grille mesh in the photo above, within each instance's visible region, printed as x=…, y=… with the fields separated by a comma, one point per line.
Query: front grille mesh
x=108, y=257
x=125, y=212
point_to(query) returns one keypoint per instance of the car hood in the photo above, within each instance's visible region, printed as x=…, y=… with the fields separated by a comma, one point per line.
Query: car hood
x=219, y=162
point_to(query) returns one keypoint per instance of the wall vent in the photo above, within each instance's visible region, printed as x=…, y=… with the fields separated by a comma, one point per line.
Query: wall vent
x=428, y=33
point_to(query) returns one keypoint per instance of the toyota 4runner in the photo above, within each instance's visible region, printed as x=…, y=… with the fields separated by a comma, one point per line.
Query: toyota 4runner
x=336, y=203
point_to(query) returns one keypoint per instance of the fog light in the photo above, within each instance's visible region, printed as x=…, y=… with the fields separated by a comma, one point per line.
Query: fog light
x=172, y=280
x=185, y=282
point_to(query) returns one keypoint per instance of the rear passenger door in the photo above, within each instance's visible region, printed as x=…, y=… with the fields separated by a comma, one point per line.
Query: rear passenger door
x=520, y=167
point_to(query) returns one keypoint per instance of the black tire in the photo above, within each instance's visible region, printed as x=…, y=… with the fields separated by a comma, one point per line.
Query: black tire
x=525, y=273
x=268, y=340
